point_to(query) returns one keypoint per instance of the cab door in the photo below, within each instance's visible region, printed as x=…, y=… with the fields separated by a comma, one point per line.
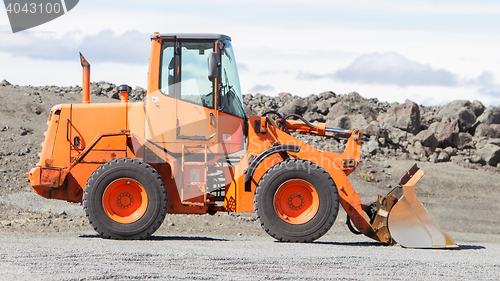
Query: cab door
x=196, y=114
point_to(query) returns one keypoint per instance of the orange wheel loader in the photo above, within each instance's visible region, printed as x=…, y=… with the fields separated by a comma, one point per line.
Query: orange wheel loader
x=189, y=148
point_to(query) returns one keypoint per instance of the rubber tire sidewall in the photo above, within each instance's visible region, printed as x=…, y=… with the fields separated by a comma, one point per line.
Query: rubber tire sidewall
x=319, y=179
x=152, y=183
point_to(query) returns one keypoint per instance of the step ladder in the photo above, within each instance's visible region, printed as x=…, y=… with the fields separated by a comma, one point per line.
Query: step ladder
x=194, y=173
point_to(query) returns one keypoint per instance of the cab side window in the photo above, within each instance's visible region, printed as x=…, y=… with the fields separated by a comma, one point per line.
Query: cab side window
x=167, y=70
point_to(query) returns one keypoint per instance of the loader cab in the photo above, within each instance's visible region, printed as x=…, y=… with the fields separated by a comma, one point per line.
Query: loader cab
x=194, y=97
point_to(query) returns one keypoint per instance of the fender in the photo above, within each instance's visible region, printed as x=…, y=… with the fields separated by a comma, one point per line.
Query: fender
x=266, y=153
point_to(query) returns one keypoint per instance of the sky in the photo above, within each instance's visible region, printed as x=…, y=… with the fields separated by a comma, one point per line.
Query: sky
x=430, y=52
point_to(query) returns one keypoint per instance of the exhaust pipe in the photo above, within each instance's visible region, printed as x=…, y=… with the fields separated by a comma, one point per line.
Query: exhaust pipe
x=86, y=80
x=124, y=91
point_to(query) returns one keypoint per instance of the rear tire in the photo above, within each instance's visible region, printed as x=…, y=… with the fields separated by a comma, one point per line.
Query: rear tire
x=296, y=201
x=125, y=199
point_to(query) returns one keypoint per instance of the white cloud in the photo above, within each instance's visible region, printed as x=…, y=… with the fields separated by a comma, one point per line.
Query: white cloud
x=262, y=89
x=392, y=68
x=487, y=85
x=131, y=47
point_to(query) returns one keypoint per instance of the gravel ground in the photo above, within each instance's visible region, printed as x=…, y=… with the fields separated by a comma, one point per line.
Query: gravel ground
x=198, y=257
x=44, y=239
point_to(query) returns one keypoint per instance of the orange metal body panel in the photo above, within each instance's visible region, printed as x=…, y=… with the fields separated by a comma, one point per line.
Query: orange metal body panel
x=112, y=143
x=60, y=152
x=135, y=118
x=194, y=120
x=160, y=108
x=103, y=156
x=87, y=121
x=230, y=133
x=154, y=67
x=48, y=143
x=72, y=189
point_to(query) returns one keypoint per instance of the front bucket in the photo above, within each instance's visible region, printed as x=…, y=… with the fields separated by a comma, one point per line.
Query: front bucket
x=409, y=223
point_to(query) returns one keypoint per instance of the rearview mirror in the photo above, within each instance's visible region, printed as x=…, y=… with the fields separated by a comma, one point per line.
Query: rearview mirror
x=213, y=63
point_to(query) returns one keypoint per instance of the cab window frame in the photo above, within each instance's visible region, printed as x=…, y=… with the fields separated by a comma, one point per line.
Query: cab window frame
x=178, y=71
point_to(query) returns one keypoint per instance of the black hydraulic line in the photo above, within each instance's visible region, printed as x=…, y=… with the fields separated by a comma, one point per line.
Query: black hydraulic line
x=283, y=123
x=301, y=118
x=351, y=227
x=273, y=112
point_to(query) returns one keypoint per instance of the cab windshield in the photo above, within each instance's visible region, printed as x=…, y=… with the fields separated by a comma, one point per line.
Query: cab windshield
x=231, y=101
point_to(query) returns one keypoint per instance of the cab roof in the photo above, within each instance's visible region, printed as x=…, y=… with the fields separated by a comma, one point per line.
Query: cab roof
x=209, y=36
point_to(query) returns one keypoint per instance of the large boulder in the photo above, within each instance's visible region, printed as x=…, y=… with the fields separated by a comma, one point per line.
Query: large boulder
x=399, y=136
x=491, y=115
x=429, y=115
x=453, y=107
x=322, y=106
x=490, y=153
x=443, y=156
x=447, y=132
x=477, y=107
x=482, y=142
x=313, y=117
x=484, y=130
x=427, y=138
x=466, y=119
x=370, y=147
x=295, y=106
x=402, y=116
x=105, y=86
x=349, y=122
x=375, y=129
x=464, y=141
x=418, y=149
x=353, y=104
x=341, y=122
x=327, y=95
x=461, y=111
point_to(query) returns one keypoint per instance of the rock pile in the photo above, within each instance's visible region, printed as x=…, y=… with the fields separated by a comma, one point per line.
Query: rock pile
x=109, y=90
x=464, y=132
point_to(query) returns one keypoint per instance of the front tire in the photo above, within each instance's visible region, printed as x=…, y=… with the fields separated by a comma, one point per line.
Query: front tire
x=296, y=201
x=125, y=199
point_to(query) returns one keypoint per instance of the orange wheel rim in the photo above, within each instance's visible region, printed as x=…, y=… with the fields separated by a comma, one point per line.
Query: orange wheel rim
x=296, y=201
x=125, y=200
